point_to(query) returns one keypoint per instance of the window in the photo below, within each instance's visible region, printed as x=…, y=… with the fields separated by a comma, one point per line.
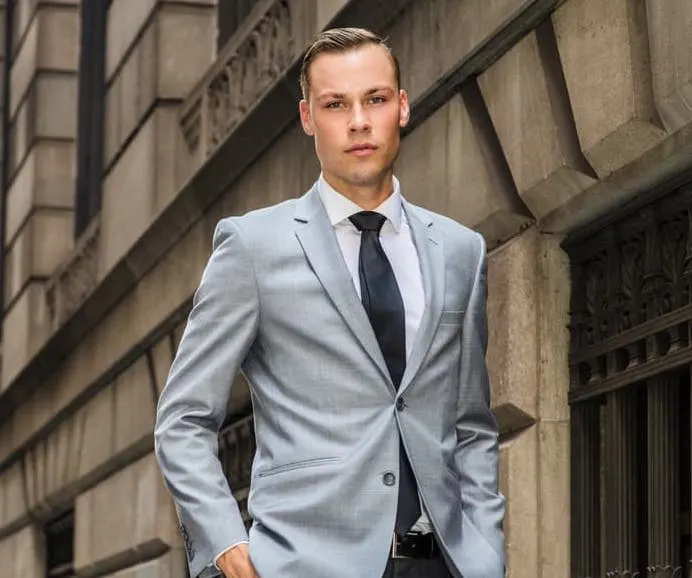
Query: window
x=59, y=535
x=631, y=369
x=90, y=120
x=231, y=15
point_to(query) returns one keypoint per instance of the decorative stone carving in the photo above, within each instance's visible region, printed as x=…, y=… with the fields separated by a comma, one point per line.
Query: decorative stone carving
x=246, y=68
x=76, y=279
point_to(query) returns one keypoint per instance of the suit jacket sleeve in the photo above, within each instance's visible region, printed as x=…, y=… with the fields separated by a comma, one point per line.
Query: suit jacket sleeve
x=220, y=330
x=477, y=432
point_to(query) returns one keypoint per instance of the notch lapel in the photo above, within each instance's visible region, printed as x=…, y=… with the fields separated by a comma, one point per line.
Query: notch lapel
x=316, y=236
x=428, y=243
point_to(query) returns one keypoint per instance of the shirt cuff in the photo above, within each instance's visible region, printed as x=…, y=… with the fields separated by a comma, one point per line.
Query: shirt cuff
x=216, y=558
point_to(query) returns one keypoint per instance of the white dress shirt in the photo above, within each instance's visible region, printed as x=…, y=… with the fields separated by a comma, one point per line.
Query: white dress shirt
x=397, y=243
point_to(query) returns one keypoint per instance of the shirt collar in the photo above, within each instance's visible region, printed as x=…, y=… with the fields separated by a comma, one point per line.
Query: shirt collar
x=339, y=208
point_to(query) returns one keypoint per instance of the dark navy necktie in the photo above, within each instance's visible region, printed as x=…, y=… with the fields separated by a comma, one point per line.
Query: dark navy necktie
x=385, y=308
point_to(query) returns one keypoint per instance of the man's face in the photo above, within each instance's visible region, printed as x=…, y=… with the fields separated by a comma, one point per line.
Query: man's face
x=355, y=110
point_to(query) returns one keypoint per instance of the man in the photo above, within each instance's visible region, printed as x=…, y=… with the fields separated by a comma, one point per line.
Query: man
x=359, y=321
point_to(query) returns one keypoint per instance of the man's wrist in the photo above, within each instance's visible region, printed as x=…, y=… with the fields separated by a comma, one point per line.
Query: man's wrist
x=218, y=556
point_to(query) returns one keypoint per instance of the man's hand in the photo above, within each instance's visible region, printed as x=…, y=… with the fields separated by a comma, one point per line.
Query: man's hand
x=235, y=563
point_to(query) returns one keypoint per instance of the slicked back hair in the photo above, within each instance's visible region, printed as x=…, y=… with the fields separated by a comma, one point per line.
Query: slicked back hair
x=340, y=40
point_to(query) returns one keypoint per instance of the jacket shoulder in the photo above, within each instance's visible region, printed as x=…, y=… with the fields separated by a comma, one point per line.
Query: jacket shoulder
x=452, y=231
x=261, y=223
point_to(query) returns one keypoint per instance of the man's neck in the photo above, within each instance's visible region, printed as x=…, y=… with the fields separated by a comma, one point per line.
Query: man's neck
x=367, y=197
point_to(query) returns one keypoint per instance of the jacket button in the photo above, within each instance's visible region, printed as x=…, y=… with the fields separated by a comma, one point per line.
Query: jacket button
x=389, y=479
x=400, y=404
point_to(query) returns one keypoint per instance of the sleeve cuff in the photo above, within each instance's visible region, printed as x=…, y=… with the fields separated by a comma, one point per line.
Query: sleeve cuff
x=216, y=558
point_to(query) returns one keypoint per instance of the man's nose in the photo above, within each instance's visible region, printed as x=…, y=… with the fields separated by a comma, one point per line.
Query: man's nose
x=359, y=121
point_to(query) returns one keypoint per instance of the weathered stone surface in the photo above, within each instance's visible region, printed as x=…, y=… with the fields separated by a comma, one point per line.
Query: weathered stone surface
x=528, y=342
x=519, y=484
x=326, y=10
x=25, y=10
x=47, y=180
x=98, y=440
x=132, y=188
x=14, y=507
x=25, y=327
x=113, y=428
x=185, y=47
x=553, y=498
x=667, y=162
x=56, y=110
x=169, y=140
x=174, y=50
x=604, y=50
x=513, y=348
x=126, y=22
x=170, y=565
x=51, y=43
x=554, y=283
x=448, y=165
x=38, y=249
x=134, y=406
x=22, y=554
x=162, y=356
x=49, y=111
x=528, y=103
x=671, y=60
x=124, y=519
x=428, y=41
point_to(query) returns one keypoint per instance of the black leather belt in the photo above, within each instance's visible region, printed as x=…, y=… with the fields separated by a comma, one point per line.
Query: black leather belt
x=415, y=545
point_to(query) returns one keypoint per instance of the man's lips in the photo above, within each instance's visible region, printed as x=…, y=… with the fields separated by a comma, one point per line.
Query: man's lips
x=361, y=149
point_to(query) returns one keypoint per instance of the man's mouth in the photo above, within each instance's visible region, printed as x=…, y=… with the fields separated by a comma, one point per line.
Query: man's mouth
x=361, y=149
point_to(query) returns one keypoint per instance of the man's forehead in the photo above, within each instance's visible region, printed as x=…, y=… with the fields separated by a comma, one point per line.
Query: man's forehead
x=371, y=65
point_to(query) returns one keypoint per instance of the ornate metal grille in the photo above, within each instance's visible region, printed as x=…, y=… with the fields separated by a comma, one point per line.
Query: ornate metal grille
x=631, y=352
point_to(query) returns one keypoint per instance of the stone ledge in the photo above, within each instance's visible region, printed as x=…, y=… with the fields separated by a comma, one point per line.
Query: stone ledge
x=661, y=168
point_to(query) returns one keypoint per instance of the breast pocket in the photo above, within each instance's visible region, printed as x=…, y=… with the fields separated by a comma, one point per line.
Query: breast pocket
x=452, y=317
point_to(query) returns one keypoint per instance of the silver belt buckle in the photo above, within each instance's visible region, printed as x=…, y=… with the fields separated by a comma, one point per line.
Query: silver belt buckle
x=395, y=548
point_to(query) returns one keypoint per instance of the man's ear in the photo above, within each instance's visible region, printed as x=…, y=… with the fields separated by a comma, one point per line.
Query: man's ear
x=305, y=117
x=404, y=109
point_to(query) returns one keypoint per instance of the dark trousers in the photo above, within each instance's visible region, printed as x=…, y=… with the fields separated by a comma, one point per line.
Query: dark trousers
x=416, y=568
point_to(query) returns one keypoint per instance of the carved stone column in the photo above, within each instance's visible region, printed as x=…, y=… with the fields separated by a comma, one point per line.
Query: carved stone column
x=624, y=438
x=586, y=535
x=663, y=444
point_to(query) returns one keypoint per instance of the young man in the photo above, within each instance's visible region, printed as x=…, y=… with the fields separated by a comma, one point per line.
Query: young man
x=359, y=321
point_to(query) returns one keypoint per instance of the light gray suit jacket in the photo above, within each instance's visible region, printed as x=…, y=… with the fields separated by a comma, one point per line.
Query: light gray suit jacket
x=277, y=301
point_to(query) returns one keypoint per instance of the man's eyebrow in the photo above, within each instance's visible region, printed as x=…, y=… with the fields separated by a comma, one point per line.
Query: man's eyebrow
x=379, y=89
x=328, y=95
x=341, y=96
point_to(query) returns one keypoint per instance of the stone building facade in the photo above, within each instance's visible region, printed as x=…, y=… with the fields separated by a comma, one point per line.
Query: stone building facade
x=562, y=130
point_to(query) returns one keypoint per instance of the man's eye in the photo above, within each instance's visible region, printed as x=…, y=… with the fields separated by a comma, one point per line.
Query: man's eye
x=335, y=104
x=377, y=99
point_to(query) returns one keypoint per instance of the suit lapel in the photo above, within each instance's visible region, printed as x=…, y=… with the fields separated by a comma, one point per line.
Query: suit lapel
x=430, y=250
x=316, y=236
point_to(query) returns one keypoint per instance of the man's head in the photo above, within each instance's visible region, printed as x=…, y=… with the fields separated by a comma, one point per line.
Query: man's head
x=353, y=105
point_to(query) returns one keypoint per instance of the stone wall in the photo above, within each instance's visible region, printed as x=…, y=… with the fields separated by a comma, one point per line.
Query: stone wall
x=43, y=112
x=581, y=112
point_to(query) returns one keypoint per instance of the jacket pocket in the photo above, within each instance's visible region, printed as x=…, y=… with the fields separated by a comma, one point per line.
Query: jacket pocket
x=295, y=466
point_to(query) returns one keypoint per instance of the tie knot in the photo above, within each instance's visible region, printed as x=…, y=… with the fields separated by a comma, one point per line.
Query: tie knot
x=368, y=221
